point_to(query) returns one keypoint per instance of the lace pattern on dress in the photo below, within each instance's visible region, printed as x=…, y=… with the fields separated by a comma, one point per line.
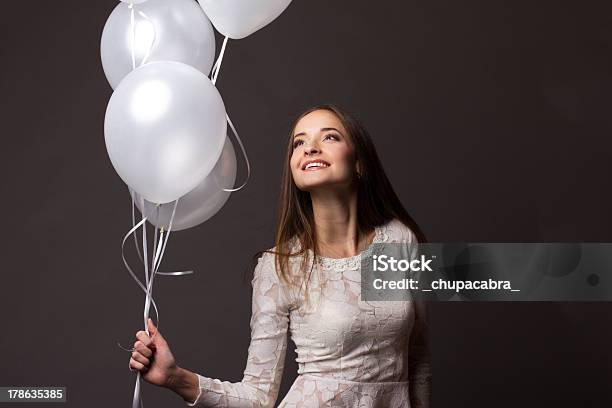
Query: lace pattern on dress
x=350, y=353
x=353, y=262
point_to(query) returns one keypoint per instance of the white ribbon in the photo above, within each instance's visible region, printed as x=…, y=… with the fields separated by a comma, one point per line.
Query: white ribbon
x=159, y=247
x=246, y=158
x=214, y=74
x=215, y=69
x=133, y=36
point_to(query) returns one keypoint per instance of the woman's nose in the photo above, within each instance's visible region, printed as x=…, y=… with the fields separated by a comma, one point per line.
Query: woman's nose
x=310, y=149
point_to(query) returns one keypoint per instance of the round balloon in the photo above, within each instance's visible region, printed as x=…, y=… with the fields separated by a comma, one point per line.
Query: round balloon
x=165, y=128
x=199, y=204
x=239, y=18
x=164, y=30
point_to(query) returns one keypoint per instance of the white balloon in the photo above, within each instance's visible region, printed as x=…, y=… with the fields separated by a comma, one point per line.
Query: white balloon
x=199, y=204
x=239, y=18
x=165, y=128
x=164, y=30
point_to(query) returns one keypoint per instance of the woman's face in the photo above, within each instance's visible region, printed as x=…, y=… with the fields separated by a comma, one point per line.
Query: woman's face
x=323, y=155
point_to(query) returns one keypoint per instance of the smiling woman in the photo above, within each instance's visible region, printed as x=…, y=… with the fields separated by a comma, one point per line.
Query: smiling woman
x=335, y=203
x=322, y=157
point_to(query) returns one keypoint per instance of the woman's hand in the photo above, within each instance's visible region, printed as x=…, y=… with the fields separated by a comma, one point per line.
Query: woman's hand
x=153, y=358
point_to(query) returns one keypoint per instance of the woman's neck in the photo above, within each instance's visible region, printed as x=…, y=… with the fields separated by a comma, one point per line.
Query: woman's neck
x=336, y=225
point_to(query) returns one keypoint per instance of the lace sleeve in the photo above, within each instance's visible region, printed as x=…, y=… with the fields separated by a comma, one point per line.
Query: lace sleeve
x=266, y=356
x=419, y=363
x=419, y=359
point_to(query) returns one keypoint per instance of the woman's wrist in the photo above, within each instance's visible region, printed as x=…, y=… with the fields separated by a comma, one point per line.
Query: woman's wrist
x=185, y=383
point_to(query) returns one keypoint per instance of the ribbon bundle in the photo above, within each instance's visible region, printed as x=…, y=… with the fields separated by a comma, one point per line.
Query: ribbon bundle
x=166, y=124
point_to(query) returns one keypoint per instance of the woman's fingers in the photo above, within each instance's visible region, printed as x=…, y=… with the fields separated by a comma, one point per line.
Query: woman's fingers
x=142, y=349
x=142, y=353
x=137, y=366
x=144, y=338
x=140, y=358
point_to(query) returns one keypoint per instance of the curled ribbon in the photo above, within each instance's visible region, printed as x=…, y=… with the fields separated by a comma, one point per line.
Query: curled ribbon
x=214, y=74
x=246, y=158
x=158, y=253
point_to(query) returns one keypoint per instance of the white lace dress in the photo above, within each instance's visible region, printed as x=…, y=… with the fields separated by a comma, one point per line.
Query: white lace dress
x=350, y=353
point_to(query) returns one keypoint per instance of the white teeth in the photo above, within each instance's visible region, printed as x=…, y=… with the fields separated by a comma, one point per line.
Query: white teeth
x=315, y=164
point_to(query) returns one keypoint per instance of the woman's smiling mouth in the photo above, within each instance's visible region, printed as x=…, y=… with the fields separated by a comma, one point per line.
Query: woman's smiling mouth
x=314, y=165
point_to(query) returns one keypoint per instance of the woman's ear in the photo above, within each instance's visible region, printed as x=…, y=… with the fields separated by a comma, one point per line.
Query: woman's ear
x=358, y=167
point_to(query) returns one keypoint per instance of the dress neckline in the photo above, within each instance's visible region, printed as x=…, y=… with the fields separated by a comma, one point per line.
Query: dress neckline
x=353, y=262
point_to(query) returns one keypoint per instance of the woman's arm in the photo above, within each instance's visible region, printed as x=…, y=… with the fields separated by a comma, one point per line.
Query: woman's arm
x=185, y=383
x=266, y=357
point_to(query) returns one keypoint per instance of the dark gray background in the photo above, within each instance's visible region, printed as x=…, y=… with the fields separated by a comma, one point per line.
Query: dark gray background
x=492, y=120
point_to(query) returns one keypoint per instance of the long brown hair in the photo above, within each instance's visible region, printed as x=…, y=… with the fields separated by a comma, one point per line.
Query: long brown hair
x=377, y=202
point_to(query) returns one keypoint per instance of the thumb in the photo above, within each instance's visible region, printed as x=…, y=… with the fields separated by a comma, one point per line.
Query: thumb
x=154, y=334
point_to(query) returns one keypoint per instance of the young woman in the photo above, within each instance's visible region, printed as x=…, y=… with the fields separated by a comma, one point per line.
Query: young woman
x=336, y=202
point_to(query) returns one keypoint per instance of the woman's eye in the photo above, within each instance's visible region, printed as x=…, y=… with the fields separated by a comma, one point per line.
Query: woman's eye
x=296, y=143
x=332, y=136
